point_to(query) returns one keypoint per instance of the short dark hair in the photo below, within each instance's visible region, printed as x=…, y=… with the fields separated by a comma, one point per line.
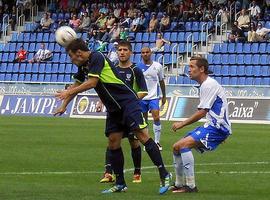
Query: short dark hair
x=125, y=44
x=77, y=44
x=202, y=62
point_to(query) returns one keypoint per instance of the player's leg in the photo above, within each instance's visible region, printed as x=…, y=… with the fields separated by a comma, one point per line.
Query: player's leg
x=107, y=176
x=155, y=155
x=136, y=154
x=117, y=161
x=184, y=164
x=156, y=127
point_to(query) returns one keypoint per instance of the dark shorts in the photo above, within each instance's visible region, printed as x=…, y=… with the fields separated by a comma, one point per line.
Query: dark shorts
x=126, y=121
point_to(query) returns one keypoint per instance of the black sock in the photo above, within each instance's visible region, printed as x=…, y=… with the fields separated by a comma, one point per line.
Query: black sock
x=117, y=160
x=108, y=165
x=153, y=152
x=137, y=159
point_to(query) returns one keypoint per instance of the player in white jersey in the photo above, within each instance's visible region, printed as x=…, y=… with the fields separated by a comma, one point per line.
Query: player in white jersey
x=214, y=106
x=154, y=77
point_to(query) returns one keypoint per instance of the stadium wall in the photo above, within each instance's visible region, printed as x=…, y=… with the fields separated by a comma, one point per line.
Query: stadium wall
x=246, y=104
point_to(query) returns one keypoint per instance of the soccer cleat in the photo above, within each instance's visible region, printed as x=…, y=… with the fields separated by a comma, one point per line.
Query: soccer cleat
x=115, y=188
x=137, y=178
x=165, y=184
x=185, y=189
x=107, y=178
x=159, y=146
x=174, y=187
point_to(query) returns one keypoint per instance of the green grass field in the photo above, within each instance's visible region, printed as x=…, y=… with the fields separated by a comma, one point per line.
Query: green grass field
x=57, y=158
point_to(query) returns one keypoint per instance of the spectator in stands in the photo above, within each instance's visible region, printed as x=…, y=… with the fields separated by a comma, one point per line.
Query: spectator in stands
x=224, y=14
x=83, y=10
x=125, y=20
x=45, y=22
x=42, y=55
x=101, y=21
x=112, y=54
x=142, y=23
x=260, y=35
x=110, y=21
x=117, y=11
x=189, y=15
x=112, y=35
x=255, y=11
x=123, y=33
x=132, y=11
x=85, y=19
x=237, y=34
x=135, y=23
x=160, y=43
x=153, y=24
x=21, y=55
x=164, y=23
x=74, y=22
x=208, y=13
x=244, y=20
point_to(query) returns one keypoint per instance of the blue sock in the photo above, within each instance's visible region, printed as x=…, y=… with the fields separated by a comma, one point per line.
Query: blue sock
x=188, y=166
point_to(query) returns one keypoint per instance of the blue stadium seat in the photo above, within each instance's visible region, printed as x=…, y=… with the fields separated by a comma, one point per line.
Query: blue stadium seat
x=56, y=57
x=246, y=48
x=152, y=37
x=210, y=58
x=67, y=16
x=8, y=77
x=138, y=47
x=138, y=37
x=231, y=48
x=61, y=68
x=224, y=48
x=264, y=59
x=20, y=37
x=181, y=36
x=67, y=78
x=34, y=78
x=256, y=70
x=196, y=36
x=21, y=77
x=248, y=70
x=181, y=47
x=265, y=70
x=216, y=48
x=52, y=37
x=225, y=80
x=60, y=78
x=27, y=77
x=54, y=78
x=3, y=67
x=188, y=26
x=267, y=48
x=63, y=58
x=173, y=37
x=74, y=69
x=14, y=37
x=195, y=26
x=47, y=78
x=233, y=81
x=51, y=47
x=225, y=59
x=232, y=59
x=249, y=81
x=35, y=68
x=257, y=81
x=32, y=37
x=2, y=77
x=42, y=67
x=28, y=68
x=217, y=59
x=254, y=47
x=39, y=37
x=22, y=68
x=32, y=47
x=40, y=78
x=265, y=81
x=256, y=59
x=241, y=80
x=5, y=57
x=186, y=80
x=233, y=70
x=180, y=80
x=137, y=58
x=262, y=48
x=9, y=68
x=241, y=70
x=145, y=37
x=217, y=70
x=218, y=79
x=248, y=59
x=54, y=68
x=225, y=70
x=12, y=47
x=15, y=68
x=239, y=47
x=68, y=69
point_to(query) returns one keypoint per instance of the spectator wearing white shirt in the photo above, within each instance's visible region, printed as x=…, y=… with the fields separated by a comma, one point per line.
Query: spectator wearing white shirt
x=243, y=20
x=255, y=10
x=135, y=22
x=112, y=54
x=42, y=54
x=117, y=11
x=260, y=35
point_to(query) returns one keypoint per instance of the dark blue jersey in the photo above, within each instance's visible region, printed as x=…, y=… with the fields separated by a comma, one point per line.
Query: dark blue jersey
x=114, y=93
x=134, y=78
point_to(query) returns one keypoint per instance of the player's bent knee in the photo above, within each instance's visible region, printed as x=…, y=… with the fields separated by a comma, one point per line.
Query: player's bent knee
x=142, y=135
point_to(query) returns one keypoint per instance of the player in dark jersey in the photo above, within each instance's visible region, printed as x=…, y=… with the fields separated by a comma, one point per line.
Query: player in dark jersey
x=123, y=108
x=134, y=78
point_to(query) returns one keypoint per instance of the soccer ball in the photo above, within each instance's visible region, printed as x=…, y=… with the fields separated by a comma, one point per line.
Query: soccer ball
x=64, y=35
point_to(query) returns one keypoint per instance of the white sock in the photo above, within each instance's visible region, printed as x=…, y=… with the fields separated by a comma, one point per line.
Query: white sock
x=188, y=166
x=157, y=132
x=179, y=173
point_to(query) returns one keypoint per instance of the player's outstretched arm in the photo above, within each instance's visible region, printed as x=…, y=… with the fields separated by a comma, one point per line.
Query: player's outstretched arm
x=194, y=118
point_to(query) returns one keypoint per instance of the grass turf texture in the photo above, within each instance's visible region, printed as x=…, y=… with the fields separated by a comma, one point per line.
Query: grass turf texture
x=65, y=145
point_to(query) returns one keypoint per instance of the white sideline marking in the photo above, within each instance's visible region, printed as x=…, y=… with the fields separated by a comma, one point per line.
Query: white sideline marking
x=153, y=167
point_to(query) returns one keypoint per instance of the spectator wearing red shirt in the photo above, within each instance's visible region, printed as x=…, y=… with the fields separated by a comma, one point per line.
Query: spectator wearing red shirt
x=21, y=55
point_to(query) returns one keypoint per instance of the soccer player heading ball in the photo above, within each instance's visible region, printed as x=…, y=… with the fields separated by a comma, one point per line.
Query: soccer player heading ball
x=122, y=104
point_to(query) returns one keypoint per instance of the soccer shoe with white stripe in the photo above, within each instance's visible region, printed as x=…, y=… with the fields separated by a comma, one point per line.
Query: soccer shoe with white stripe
x=107, y=178
x=159, y=146
x=165, y=184
x=185, y=189
x=115, y=188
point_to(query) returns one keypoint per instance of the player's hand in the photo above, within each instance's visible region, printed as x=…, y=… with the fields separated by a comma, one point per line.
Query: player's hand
x=163, y=101
x=99, y=106
x=61, y=95
x=59, y=111
x=177, y=125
